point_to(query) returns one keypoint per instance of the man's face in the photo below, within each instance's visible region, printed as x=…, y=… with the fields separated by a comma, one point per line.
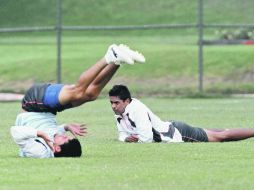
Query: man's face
x=61, y=139
x=118, y=105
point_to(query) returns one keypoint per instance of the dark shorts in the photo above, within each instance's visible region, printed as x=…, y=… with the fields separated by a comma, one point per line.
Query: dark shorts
x=189, y=133
x=43, y=98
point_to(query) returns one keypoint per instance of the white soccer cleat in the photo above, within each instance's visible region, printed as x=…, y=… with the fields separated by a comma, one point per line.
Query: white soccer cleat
x=117, y=56
x=135, y=55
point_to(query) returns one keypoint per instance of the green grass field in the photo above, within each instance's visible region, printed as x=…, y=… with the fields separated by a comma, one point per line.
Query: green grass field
x=109, y=164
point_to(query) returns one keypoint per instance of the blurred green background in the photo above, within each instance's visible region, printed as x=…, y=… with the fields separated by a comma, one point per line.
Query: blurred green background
x=172, y=54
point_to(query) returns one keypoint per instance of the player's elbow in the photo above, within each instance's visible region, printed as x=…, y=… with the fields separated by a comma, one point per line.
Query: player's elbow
x=13, y=131
x=15, y=134
x=122, y=137
x=144, y=139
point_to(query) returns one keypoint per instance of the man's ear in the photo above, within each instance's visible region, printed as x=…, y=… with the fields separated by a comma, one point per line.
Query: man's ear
x=128, y=100
x=57, y=148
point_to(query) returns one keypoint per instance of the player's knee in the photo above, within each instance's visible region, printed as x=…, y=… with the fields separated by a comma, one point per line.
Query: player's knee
x=221, y=137
x=91, y=96
x=216, y=136
x=81, y=96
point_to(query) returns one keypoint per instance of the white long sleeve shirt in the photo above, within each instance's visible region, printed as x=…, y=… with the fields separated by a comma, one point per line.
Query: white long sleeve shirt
x=140, y=121
x=24, y=133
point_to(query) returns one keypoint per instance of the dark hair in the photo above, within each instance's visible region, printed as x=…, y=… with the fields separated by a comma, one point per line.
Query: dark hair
x=70, y=149
x=120, y=91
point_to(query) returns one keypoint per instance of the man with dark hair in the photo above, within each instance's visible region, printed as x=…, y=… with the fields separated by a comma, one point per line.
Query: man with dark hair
x=70, y=149
x=36, y=130
x=41, y=137
x=137, y=123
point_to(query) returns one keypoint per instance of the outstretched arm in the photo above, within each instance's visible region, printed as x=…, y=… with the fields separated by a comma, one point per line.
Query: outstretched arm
x=21, y=135
x=31, y=146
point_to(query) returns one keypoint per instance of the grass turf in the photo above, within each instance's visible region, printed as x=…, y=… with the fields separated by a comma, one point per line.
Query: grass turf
x=109, y=164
